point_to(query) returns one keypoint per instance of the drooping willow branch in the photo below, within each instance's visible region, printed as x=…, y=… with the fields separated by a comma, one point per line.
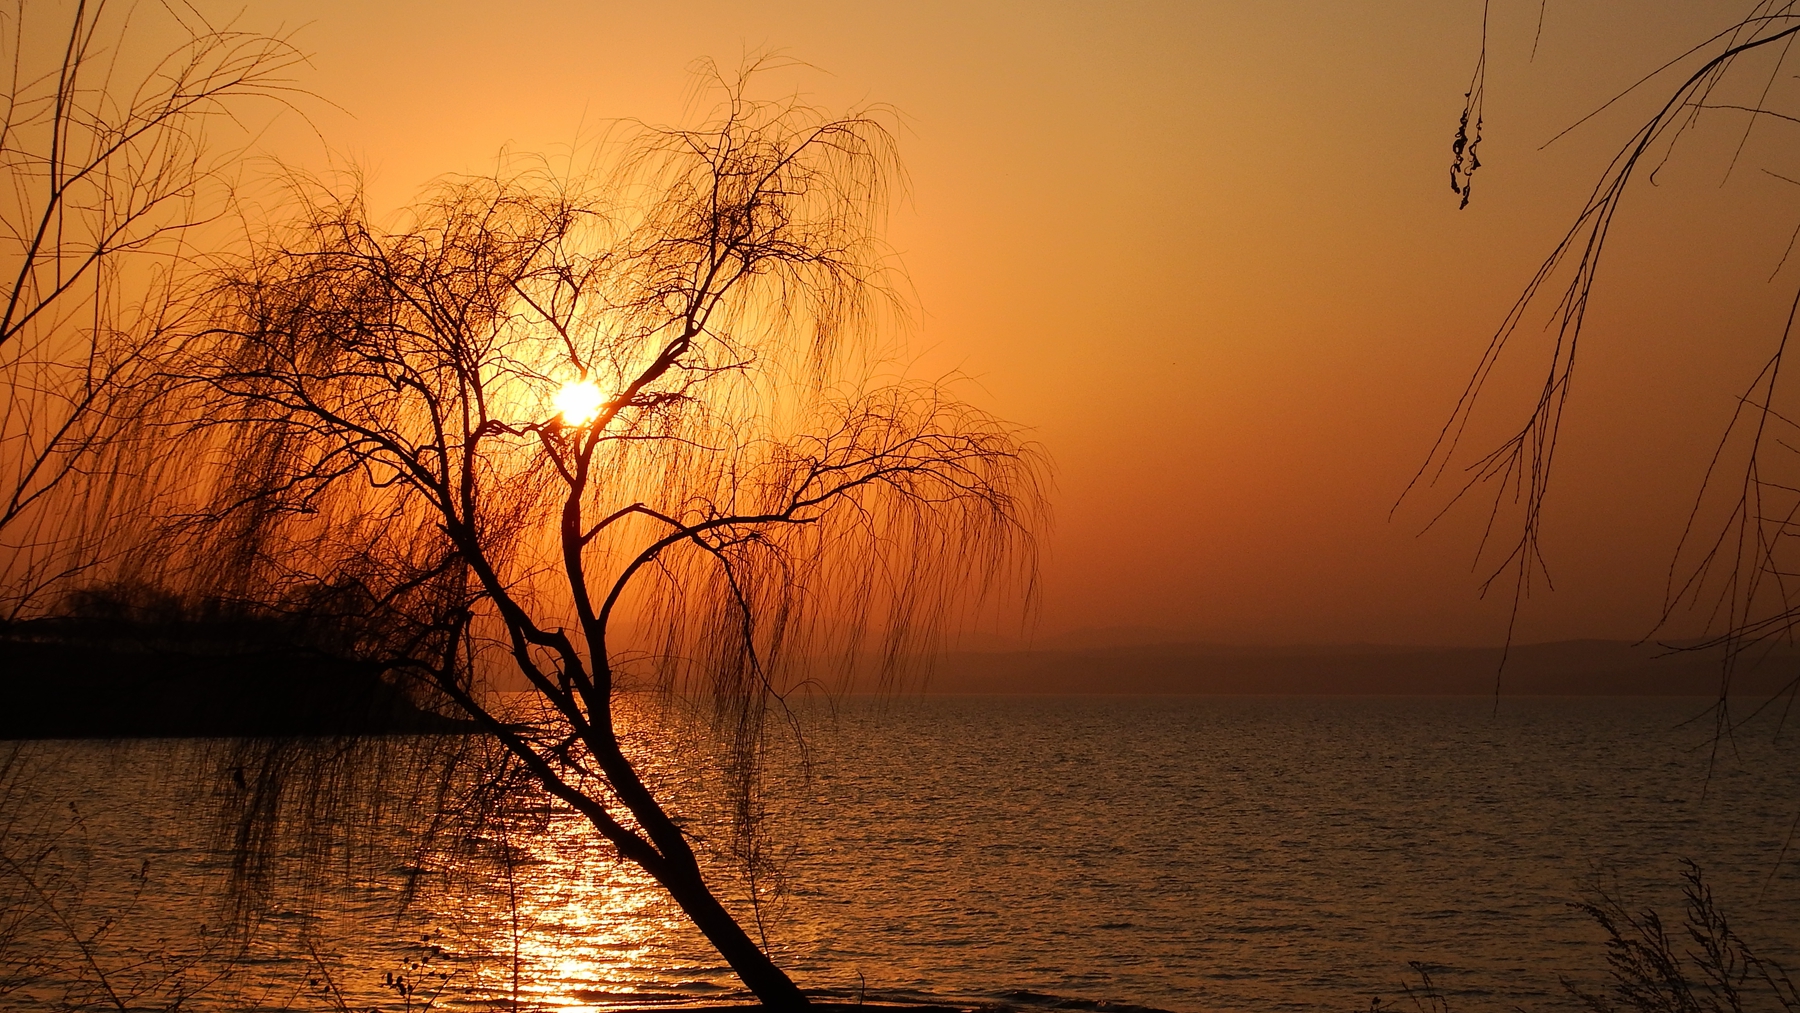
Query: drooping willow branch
x=1741, y=556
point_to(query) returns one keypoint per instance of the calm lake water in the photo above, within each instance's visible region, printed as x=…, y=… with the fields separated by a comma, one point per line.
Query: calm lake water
x=1190, y=854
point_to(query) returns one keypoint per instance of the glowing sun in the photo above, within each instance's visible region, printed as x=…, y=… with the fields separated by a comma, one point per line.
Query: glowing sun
x=579, y=401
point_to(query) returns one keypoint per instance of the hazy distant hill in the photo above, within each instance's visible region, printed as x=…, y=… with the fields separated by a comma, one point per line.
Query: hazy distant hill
x=1566, y=668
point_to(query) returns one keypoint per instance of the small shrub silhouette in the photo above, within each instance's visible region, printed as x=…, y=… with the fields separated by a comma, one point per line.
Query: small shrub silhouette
x=1649, y=974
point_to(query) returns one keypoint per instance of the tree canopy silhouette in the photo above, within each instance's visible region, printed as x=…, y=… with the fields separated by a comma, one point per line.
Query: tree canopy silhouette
x=576, y=434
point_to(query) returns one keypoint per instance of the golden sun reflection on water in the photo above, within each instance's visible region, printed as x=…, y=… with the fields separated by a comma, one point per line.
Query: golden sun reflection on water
x=558, y=921
x=574, y=927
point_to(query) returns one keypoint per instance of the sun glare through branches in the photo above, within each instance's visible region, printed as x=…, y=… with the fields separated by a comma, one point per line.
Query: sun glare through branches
x=578, y=402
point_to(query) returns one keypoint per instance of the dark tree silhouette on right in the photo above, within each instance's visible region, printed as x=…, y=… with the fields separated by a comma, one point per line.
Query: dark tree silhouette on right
x=1735, y=562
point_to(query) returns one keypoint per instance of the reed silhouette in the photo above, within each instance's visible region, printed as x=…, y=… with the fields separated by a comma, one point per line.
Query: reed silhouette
x=1712, y=971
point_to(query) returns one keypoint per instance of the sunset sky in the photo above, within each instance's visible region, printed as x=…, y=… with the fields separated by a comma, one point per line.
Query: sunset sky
x=1208, y=254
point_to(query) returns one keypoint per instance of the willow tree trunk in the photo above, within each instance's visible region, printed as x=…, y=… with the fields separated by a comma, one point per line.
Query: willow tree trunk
x=753, y=967
x=670, y=860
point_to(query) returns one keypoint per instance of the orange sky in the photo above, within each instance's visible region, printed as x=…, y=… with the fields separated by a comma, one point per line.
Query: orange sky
x=1208, y=253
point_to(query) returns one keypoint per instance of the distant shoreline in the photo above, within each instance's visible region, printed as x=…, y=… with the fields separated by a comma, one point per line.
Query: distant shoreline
x=63, y=688
x=1561, y=668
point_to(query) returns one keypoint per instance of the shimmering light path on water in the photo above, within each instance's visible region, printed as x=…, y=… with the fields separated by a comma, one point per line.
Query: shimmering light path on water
x=1185, y=853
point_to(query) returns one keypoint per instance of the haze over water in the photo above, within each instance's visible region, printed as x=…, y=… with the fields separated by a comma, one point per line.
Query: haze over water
x=1191, y=854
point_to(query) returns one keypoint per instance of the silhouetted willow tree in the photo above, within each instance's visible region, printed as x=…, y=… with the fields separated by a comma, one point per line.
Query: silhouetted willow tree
x=563, y=433
x=105, y=168
x=1735, y=561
